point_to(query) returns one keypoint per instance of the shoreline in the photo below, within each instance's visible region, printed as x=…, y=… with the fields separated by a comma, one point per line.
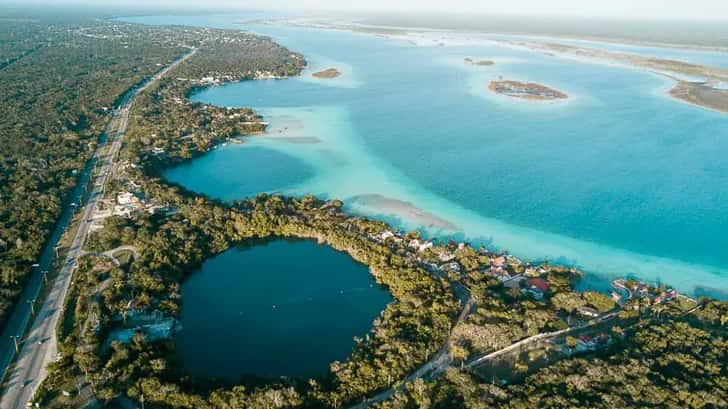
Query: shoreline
x=597, y=260
x=590, y=265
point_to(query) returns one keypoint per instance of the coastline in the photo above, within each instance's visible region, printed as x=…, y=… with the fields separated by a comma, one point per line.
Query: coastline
x=597, y=260
x=594, y=258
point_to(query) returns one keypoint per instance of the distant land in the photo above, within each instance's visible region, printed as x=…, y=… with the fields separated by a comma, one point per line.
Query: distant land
x=676, y=33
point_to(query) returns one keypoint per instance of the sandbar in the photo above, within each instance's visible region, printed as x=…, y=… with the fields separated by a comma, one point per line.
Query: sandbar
x=481, y=63
x=327, y=74
x=405, y=210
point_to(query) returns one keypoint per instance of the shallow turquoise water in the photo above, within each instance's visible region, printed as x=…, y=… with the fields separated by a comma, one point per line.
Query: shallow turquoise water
x=286, y=308
x=620, y=179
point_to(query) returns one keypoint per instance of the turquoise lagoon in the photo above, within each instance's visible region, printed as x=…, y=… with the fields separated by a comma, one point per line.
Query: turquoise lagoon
x=619, y=180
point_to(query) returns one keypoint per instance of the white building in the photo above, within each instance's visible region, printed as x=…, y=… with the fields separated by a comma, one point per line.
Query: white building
x=126, y=198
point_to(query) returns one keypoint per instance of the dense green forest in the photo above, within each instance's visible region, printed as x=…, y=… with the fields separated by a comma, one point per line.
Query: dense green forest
x=166, y=127
x=663, y=364
x=59, y=82
x=61, y=77
x=172, y=246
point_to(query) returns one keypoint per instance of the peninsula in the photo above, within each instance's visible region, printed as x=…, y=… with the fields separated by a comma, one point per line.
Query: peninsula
x=526, y=90
x=327, y=74
x=701, y=94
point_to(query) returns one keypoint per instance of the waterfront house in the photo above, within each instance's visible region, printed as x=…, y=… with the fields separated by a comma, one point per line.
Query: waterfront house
x=666, y=296
x=446, y=256
x=420, y=245
x=670, y=295
x=531, y=273
x=501, y=274
x=642, y=290
x=536, y=287
x=383, y=236
x=498, y=262
x=539, y=283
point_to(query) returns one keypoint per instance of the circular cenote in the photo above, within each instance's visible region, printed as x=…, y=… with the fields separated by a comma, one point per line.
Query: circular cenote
x=275, y=308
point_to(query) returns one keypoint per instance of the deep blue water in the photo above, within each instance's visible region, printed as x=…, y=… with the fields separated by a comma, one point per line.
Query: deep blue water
x=621, y=179
x=283, y=308
x=244, y=174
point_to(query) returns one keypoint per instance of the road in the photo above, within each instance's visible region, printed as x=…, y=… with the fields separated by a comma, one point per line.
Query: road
x=435, y=365
x=40, y=346
x=539, y=337
x=441, y=361
x=110, y=253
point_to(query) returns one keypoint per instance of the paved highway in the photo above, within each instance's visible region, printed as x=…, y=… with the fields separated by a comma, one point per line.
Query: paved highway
x=39, y=347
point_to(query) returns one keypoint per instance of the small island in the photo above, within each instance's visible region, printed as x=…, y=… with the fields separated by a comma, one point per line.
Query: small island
x=481, y=63
x=327, y=74
x=526, y=90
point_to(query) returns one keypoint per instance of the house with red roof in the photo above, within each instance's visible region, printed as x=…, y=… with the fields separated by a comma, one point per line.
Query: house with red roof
x=539, y=283
x=537, y=287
